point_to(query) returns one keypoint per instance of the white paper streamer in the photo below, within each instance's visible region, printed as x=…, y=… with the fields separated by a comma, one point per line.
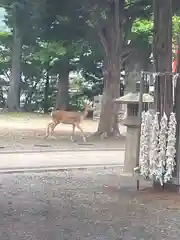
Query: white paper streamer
x=157, y=147
x=171, y=150
x=144, y=143
x=153, y=155
x=161, y=161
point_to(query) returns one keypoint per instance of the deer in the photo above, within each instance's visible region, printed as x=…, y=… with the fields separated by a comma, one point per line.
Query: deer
x=70, y=118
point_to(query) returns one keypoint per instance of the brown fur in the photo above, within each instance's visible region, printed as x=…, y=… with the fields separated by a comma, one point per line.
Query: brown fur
x=66, y=117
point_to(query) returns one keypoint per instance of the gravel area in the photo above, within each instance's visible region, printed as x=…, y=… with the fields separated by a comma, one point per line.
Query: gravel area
x=88, y=205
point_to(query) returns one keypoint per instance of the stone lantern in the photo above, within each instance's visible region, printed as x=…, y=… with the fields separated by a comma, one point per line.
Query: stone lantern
x=132, y=123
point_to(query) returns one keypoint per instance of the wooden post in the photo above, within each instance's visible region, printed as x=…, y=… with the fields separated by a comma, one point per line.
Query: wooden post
x=139, y=117
x=178, y=155
x=177, y=111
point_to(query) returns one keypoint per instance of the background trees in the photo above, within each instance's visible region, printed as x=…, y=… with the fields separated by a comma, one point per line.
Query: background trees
x=49, y=40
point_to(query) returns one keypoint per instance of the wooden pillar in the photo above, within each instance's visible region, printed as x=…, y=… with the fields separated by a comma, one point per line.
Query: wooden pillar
x=177, y=111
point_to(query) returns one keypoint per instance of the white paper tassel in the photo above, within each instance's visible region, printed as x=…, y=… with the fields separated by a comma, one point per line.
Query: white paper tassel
x=171, y=150
x=144, y=144
x=161, y=160
x=153, y=155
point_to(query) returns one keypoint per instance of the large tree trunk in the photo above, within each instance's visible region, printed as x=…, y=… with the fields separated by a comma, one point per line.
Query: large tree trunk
x=163, y=57
x=108, y=123
x=62, y=98
x=163, y=54
x=111, y=42
x=13, y=99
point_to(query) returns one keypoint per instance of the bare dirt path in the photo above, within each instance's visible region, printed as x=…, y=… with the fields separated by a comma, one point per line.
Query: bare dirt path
x=26, y=131
x=23, y=162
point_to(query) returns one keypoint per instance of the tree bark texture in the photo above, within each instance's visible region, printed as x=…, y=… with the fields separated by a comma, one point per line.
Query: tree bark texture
x=163, y=54
x=13, y=99
x=163, y=59
x=108, y=123
x=62, y=98
x=111, y=42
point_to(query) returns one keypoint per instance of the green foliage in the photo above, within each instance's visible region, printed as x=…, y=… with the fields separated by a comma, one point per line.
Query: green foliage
x=5, y=54
x=142, y=26
x=60, y=35
x=142, y=32
x=49, y=52
x=176, y=27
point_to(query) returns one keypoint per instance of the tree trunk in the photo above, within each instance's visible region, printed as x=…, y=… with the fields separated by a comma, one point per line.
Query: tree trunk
x=62, y=98
x=112, y=43
x=163, y=54
x=163, y=58
x=13, y=99
x=108, y=123
x=46, y=92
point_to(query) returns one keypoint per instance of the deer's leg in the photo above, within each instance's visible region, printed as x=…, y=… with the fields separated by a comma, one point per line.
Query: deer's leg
x=53, y=127
x=72, y=134
x=82, y=132
x=50, y=125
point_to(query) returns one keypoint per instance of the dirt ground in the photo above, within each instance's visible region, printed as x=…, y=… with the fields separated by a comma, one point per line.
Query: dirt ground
x=27, y=131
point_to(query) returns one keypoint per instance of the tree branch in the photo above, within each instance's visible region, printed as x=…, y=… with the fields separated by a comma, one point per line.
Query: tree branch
x=99, y=28
x=124, y=57
x=103, y=40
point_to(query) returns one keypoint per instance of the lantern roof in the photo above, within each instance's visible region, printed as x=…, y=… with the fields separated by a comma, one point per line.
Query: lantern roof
x=134, y=98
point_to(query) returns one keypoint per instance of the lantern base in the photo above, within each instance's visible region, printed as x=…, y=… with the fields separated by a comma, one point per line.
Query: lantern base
x=131, y=150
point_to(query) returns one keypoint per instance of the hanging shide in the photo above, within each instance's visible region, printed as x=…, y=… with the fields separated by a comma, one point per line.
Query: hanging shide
x=154, y=148
x=161, y=157
x=157, y=147
x=171, y=150
x=144, y=144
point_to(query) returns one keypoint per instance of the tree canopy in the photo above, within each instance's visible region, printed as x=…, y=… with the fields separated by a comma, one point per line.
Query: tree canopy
x=56, y=53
